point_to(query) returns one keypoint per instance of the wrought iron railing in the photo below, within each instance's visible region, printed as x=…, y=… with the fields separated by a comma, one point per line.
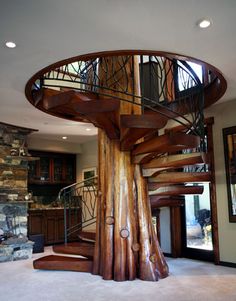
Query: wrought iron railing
x=169, y=83
x=168, y=86
x=80, y=202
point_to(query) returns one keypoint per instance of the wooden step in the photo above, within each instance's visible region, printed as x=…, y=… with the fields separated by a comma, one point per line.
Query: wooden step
x=170, y=142
x=102, y=113
x=96, y=106
x=157, y=202
x=181, y=177
x=153, y=186
x=63, y=263
x=84, y=105
x=169, y=112
x=53, y=98
x=147, y=159
x=144, y=158
x=144, y=121
x=76, y=248
x=131, y=136
x=177, y=190
x=87, y=236
x=179, y=160
x=107, y=122
x=134, y=127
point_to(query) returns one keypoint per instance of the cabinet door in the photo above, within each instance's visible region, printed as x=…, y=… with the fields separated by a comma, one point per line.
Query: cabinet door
x=70, y=170
x=57, y=170
x=33, y=170
x=35, y=223
x=60, y=229
x=45, y=174
x=51, y=230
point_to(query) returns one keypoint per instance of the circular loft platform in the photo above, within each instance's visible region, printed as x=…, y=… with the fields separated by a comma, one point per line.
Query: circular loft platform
x=171, y=85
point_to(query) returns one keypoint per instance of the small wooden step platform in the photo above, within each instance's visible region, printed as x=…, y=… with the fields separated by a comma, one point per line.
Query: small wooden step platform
x=170, y=162
x=87, y=236
x=63, y=263
x=75, y=248
x=157, y=202
x=181, y=177
x=177, y=190
x=170, y=142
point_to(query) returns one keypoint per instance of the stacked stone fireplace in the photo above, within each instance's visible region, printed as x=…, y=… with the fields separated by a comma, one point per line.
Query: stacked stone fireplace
x=14, y=196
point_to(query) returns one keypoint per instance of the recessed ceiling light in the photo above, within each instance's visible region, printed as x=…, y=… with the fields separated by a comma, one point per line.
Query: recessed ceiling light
x=204, y=23
x=10, y=44
x=64, y=137
x=88, y=129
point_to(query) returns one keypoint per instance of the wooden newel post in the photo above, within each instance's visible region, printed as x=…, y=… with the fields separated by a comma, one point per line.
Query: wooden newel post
x=126, y=245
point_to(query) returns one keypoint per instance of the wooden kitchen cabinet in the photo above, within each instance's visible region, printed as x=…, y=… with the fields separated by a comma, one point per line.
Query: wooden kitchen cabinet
x=35, y=222
x=50, y=223
x=52, y=168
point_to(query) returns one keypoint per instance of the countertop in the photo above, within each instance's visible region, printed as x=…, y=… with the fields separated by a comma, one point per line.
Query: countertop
x=51, y=208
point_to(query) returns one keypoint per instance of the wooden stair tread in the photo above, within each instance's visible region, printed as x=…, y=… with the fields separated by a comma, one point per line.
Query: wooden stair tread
x=54, y=98
x=157, y=202
x=106, y=121
x=76, y=248
x=144, y=121
x=177, y=190
x=55, y=262
x=84, y=105
x=87, y=236
x=179, y=160
x=181, y=177
x=134, y=127
x=131, y=135
x=144, y=158
x=96, y=106
x=169, y=142
x=154, y=186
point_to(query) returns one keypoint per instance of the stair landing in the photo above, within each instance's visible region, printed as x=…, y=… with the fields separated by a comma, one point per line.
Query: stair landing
x=76, y=248
x=63, y=263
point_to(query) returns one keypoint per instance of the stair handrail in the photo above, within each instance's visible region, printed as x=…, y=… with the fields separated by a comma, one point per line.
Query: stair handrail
x=80, y=199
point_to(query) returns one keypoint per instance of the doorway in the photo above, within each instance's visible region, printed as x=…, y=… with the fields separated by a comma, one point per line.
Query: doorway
x=197, y=229
x=194, y=226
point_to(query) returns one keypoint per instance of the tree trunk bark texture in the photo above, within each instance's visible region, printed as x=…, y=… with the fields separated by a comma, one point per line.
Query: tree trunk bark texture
x=126, y=244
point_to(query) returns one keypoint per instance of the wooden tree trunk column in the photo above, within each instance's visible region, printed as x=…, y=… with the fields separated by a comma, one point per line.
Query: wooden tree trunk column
x=126, y=245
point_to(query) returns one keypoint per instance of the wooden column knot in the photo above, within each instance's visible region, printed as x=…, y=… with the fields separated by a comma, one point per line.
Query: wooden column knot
x=124, y=233
x=152, y=258
x=135, y=247
x=99, y=193
x=110, y=220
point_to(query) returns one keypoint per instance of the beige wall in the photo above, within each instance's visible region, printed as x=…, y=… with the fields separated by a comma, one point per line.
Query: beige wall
x=88, y=158
x=53, y=145
x=225, y=116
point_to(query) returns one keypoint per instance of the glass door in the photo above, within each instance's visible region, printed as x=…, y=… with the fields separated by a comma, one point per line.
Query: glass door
x=198, y=225
x=58, y=170
x=45, y=169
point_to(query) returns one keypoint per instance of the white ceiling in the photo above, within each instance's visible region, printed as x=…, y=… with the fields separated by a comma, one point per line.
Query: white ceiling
x=47, y=31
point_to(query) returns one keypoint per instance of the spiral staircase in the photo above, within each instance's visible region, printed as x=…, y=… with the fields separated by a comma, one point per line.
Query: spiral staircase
x=76, y=90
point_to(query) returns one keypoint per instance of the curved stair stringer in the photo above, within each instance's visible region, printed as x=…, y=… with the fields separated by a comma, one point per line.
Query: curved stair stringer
x=139, y=135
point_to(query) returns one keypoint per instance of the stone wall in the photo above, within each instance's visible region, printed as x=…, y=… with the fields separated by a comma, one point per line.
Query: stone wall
x=14, y=196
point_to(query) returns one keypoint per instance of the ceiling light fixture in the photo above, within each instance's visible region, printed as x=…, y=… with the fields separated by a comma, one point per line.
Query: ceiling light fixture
x=204, y=23
x=64, y=137
x=10, y=44
x=88, y=129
